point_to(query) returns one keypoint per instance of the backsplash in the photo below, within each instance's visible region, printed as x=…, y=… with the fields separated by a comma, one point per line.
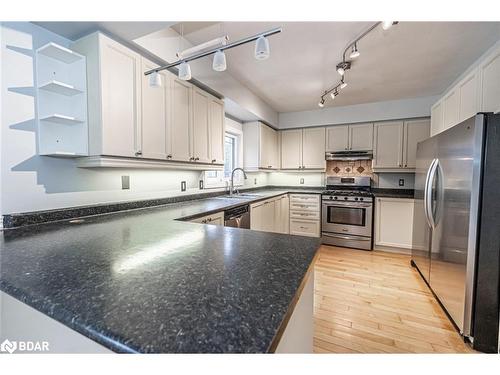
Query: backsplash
x=349, y=168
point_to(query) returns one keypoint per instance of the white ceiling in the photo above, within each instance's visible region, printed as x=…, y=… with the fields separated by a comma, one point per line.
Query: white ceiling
x=412, y=59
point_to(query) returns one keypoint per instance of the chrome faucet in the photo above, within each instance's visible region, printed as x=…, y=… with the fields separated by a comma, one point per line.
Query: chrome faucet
x=231, y=187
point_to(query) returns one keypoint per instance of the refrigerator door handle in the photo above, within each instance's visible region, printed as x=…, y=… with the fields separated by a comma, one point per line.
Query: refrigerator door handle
x=432, y=177
x=428, y=194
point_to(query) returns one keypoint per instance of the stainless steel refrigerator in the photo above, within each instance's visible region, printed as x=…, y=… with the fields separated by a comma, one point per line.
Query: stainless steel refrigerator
x=454, y=170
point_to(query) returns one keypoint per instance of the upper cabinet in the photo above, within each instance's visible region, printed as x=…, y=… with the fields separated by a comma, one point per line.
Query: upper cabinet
x=357, y=137
x=127, y=118
x=478, y=91
x=303, y=149
x=260, y=147
x=396, y=144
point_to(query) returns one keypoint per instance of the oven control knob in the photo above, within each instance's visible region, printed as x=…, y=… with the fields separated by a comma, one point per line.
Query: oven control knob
x=331, y=197
x=360, y=199
x=345, y=198
x=356, y=198
x=335, y=198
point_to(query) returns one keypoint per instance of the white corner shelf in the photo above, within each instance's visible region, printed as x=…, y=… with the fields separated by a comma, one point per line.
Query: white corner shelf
x=60, y=88
x=60, y=53
x=63, y=154
x=61, y=119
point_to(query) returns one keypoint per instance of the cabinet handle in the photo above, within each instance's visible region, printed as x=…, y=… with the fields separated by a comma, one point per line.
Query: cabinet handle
x=303, y=167
x=400, y=165
x=345, y=148
x=196, y=159
x=138, y=153
x=406, y=165
x=191, y=159
x=214, y=160
x=204, y=221
x=209, y=219
x=169, y=156
x=269, y=166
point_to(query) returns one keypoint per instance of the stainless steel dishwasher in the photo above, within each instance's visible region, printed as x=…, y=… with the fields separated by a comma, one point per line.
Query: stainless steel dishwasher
x=238, y=217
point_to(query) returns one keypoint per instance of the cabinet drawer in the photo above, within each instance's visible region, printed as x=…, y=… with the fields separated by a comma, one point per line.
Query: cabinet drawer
x=304, y=206
x=309, y=228
x=305, y=198
x=312, y=215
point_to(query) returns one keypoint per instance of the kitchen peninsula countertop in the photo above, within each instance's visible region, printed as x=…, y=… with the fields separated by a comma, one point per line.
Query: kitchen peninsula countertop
x=143, y=281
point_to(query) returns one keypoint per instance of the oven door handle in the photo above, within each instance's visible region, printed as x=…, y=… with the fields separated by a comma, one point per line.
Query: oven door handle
x=344, y=237
x=345, y=204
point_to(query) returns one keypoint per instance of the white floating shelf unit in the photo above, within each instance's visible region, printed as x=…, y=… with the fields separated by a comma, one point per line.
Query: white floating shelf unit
x=61, y=94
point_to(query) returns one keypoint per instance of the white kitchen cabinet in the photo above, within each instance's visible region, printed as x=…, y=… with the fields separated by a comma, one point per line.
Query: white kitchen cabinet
x=437, y=125
x=213, y=219
x=200, y=126
x=388, y=145
x=303, y=149
x=155, y=115
x=270, y=215
x=451, y=109
x=260, y=148
x=490, y=78
x=361, y=137
x=414, y=131
x=217, y=129
x=357, y=137
x=394, y=222
x=114, y=96
x=313, y=148
x=305, y=214
x=291, y=149
x=181, y=119
x=468, y=90
x=337, y=138
x=395, y=147
x=282, y=214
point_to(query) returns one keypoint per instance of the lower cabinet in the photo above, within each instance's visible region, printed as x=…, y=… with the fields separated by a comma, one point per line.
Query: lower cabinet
x=394, y=222
x=214, y=219
x=271, y=215
x=305, y=215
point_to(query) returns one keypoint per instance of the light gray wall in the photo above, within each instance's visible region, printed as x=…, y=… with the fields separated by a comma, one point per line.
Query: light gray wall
x=368, y=112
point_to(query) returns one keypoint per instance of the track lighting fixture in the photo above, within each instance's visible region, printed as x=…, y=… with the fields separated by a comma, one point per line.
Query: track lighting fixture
x=354, y=52
x=322, y=102
x=342, y=67
x=155, y=80
x=262, y=50
x=184, y=71
x=219, y=63
x=343, y=84
x=386, y=25
x=333, y=94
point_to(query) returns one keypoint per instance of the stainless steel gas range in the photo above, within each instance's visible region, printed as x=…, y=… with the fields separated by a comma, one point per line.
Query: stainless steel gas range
x=347, y=212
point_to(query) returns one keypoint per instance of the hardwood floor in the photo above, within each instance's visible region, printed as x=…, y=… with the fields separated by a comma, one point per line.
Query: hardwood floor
x=375, y=302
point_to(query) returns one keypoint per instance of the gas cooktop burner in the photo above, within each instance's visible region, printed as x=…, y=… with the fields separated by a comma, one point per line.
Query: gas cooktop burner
x=348, y=193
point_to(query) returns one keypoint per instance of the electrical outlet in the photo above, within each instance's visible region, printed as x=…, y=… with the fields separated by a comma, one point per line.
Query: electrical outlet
x=255, y=181
x=302, y=181
x=125, y=182
x=401, y=182
x=183, y=185
x=201, y=184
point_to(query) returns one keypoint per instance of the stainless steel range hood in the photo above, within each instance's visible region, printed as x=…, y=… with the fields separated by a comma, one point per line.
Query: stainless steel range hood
x=349, y=155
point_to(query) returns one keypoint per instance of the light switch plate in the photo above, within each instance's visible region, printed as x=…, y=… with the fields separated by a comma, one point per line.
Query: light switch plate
x=125, y=182
x=255, y=181
x=302, y=181
x=201, y=184
x=401, y=182
x=183, y=185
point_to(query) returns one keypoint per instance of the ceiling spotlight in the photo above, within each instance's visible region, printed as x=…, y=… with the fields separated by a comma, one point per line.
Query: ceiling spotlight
x=322, y=102
x=343, y=84
x=262, y=50
x=184, y=71
x=354, y=52
x=386, y=25
x=342, y=67
x=219, y=63
x=155, y=80
x=333, y=94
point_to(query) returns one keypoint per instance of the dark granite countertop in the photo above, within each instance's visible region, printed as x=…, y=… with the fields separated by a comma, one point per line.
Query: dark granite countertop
x=140, y=281
x=393, y=193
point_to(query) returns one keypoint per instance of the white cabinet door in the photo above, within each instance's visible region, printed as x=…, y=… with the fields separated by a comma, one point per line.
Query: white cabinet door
x=282, y=214
x=313, y=148
x=388, y=148
x=490, y=77
x=121, y=99
x=450, y=109
x=361, y=137
x=291, y=149
x=414, y=131
x=268, y=216
x=468, y=91
x=274, y=146
x=437, y=118
x=200, y=139
x=154, y=115
x=337, y=138
x=269, y=146
x=394, y=222
x=309, y=228
x=216, y=131
x=256, y=216
x=180, y=119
